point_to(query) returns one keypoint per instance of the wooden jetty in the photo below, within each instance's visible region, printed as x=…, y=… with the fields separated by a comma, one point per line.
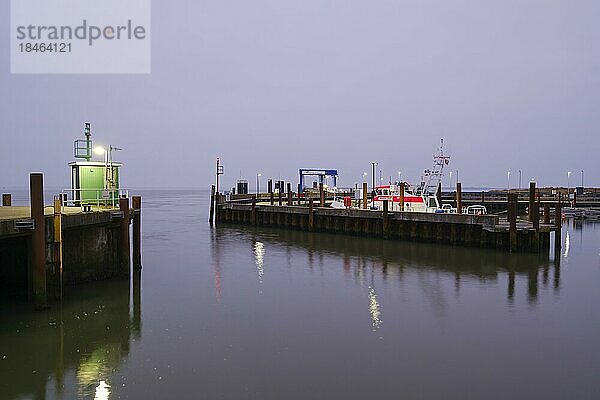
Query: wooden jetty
x=488, y=231
x=43, y=247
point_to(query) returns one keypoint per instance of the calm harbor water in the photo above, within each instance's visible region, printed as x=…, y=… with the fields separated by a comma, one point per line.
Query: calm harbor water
x=236, y=313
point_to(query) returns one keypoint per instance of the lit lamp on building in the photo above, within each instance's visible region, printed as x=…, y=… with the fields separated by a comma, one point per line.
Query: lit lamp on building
x=93, y=182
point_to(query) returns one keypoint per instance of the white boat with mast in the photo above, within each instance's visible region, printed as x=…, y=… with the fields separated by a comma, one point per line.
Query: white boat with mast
x=422, y=198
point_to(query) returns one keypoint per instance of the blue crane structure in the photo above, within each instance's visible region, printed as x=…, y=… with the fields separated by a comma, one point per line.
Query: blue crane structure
x=321, y=173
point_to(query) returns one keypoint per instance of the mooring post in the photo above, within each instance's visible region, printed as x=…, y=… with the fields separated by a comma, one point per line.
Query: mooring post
x=558, y=223
x=125, y=261
x=136, y=202
x=38, y=240
x=402, y=185
x=531, y=200
x=280, y=194
x=289, y=193
x=321, y=195
x=6, y=200
x=458, y=198
x=311, y=215
x=401, y=196
x=299, y=198
x=386, y=221
x=218, y=200
x=574, y=198
x=364, y=195
x=57, y=245
x=254, y=210
x=536, y=225
x=482, y=198
x=212, y=204
x=546, y=213
x=512, y=220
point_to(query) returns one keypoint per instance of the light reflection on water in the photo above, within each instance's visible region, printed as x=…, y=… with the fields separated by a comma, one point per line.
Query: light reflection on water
x=236, y=312
x=374, y=309
x=102, y=391
x=259, y=253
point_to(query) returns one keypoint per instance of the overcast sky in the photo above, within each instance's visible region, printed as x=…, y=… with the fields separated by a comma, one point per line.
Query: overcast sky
x=273, y=86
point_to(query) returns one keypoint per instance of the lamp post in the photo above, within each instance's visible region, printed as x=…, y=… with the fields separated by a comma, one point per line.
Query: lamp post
x=568, y=184
x=508, y=181
x=258, y=183
x=450, y=181
x=582, y=179
x=520, y=179
x=108, y=174
x=373, y=165
x=219, y=172
x=399, y=176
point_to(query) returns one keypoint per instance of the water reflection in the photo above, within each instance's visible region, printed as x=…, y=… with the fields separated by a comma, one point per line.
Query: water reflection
x=216, y=262
x=567, y=244
x=259, y=255
x=374, y=309
x=102, y=391
x=429, y=261
x=86, y=338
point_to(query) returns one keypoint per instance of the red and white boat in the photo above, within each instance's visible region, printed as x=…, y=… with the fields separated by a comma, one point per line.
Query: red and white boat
x=422, y=198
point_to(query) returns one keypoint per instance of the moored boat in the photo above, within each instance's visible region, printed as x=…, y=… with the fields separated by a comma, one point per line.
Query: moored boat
x=422, y=198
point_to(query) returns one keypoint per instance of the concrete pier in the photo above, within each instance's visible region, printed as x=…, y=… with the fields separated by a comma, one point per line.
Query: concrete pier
x=467, y=230
x=43, y=248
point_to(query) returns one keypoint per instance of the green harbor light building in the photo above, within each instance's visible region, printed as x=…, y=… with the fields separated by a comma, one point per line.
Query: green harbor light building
x=94, y=182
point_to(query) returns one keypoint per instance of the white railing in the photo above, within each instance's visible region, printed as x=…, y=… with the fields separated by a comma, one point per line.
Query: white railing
x=97, y=197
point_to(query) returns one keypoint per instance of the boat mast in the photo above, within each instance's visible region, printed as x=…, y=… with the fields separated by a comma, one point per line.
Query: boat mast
x=434, y=176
